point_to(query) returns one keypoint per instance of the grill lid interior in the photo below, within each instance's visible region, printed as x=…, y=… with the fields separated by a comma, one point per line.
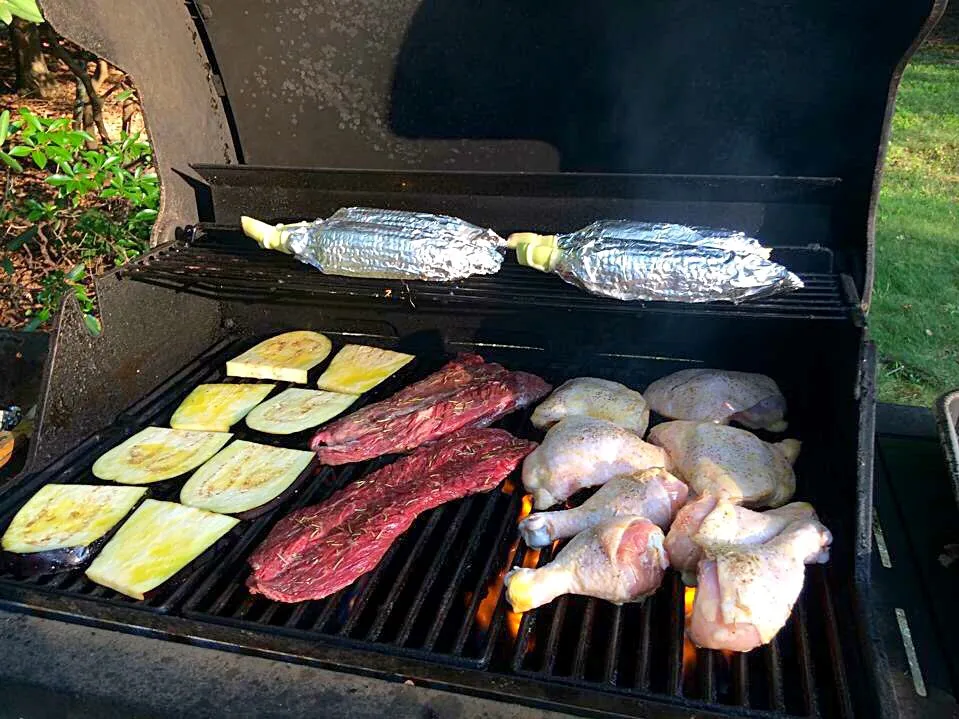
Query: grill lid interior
x=709, y=88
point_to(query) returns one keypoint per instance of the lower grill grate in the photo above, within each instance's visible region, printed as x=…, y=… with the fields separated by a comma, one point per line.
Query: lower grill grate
x=437, y=595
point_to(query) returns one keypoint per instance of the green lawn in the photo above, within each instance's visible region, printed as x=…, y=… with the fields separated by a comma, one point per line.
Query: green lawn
x=915, y=309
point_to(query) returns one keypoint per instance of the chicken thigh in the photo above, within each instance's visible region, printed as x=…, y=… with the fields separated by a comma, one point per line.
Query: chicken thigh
x=745, y=596
x=653, y=493
x=593, y=397
x=713, y=395
x=620, y=560
x=581, y=452
x=728, y=462
x=709, y=524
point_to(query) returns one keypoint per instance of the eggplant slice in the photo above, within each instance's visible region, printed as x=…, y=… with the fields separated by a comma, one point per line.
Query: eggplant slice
x=286, y=358
x=295, y=410
x=357, y=368
x=62, y=526
x=217, y=407
x=158, y=453
x=244, y=476
x=155, y=543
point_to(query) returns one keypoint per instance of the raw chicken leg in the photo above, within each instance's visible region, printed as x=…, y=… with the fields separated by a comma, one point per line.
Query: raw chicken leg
x=598, y=398
x=582, y=452
x=715, y=395
x=653, y=493
x=708, y=525
x=728, y=462
x=620, y=560
x=745, y=596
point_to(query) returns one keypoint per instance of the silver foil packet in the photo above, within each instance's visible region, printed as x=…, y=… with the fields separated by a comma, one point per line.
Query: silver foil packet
x=393, y=244
x=653, y=262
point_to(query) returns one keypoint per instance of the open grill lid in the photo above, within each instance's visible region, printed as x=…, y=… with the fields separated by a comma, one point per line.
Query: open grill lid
x=623, y=86
x=747, y=88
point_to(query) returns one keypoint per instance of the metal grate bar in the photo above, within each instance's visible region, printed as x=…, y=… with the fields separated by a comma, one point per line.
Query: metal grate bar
x=645, y=643
x=741, y=680
x=398, y=584
x=438, y=559
x=807, y=674
x=774, y=670
x=707, y=662
x=488, y=570
x=612, y=653
x=372, y=582
x=585, y=639
x=555, y=630
x=832, y=637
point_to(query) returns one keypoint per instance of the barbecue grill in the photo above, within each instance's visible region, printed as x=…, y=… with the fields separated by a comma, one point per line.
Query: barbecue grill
x=766, y=117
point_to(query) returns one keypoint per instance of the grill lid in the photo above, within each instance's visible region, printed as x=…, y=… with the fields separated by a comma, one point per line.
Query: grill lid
x=711, y=88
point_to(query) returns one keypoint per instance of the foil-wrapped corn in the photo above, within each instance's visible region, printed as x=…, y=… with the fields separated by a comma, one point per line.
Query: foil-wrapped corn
x=386, y=244
x=652, y=261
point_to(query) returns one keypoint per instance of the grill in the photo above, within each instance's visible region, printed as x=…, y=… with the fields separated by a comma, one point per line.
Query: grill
x=777, y=131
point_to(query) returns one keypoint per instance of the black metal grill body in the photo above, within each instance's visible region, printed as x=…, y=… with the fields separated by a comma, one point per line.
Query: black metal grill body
x=432, y=610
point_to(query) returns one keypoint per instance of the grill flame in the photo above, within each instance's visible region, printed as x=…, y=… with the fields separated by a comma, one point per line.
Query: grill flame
x=689, y=649
x=487, y=607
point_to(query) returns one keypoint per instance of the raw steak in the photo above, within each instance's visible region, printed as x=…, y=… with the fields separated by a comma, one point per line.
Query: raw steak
x=318, y=550
x=464, y=393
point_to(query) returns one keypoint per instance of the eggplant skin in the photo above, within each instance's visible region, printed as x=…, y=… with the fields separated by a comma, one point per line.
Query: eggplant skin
x=50, y=561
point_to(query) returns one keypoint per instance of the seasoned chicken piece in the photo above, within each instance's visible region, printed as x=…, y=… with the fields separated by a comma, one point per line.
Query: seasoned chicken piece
x=715, y=395
x=653, y=493
x=745, y=596
x=620, y=560
x=728, y=462
x=582, y=452
x=709, y=524
x=597, y=398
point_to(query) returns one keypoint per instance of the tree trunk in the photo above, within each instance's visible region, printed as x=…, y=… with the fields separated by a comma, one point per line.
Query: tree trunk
x=33, y=75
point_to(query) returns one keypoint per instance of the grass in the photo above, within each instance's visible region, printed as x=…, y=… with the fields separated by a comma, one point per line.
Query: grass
x=915, y=310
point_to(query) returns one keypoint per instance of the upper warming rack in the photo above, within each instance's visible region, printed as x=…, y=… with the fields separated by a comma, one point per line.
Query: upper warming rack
x=220, y=263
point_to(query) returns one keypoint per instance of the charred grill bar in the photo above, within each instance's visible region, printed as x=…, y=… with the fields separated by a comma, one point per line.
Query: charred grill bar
x=778, y=130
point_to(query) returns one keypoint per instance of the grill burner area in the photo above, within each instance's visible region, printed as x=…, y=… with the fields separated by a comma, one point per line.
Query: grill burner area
x=437, y=595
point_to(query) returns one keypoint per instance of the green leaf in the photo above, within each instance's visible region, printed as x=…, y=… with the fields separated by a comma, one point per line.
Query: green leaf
x=76, y=273
x=4, y=125
x=124, y=96
x=93, y=325
x=20, y=151
x=144, y=215
x=57, y=180
x=23, y=238
x=27, y=9
x=7, y=265
x=10, y=162
x=39, y=159
x=5, y=15
x=31, y=119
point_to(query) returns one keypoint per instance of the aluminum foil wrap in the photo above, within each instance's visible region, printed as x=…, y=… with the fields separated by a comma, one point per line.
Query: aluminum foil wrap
x=639, y=269
x=667, y=232
x=394, y=244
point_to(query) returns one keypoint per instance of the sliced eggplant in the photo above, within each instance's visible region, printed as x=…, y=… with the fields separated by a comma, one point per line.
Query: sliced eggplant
x=295, y=410
x=158, y=453
x=63, y=525
x=157, y=541
x=357, y=368
x=217, y=407
x=243, y=477
x=287, y=357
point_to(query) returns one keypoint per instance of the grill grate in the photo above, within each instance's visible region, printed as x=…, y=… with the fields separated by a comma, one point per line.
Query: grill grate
x=221, y=263
x=437, y=594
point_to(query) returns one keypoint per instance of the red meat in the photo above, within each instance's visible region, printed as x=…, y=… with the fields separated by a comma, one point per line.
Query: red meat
x=320, y=549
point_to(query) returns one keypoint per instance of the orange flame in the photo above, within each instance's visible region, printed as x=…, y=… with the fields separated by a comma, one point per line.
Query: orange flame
x=487, y=607
x=689, y=649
